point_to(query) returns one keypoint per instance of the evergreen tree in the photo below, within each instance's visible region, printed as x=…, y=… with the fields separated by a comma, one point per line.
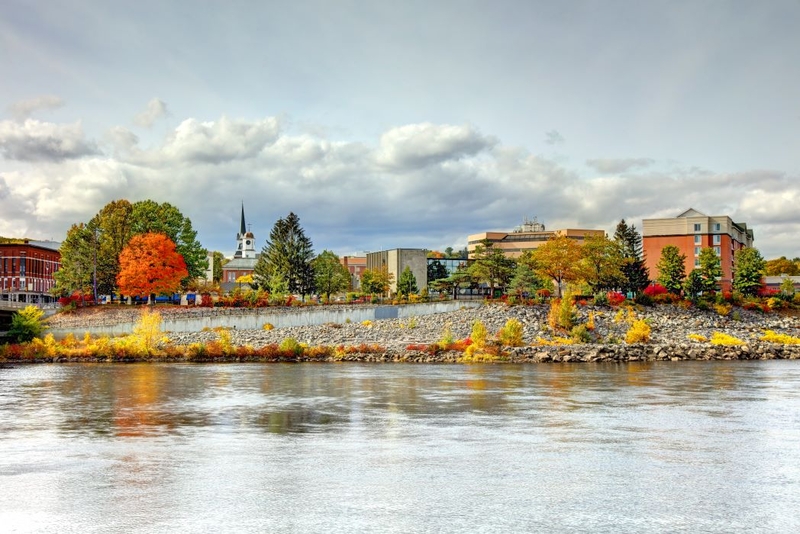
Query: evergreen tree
x=407, y=283
x=491, y=266
x=636, y=276
x=436, y=271
x=525, y=280
x=287, y=256
x=694, y=284
x=749, y=269
x=671, y=269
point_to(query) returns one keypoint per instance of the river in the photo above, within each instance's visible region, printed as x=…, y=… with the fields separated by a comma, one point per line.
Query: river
x=343, y=448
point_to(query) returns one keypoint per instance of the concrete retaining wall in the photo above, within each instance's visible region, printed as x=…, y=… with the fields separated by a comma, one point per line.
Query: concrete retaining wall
x=248, y=319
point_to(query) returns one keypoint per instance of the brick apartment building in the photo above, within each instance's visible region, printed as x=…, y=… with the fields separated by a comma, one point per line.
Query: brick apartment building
x=26, y=271
x=355, y=265
x=692, y=231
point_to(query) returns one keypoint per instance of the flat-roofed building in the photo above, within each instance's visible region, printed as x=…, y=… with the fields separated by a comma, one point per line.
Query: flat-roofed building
x=692, y=231
x=355, y=265
x=26, y=270
x=396, y=260
x=530, y=235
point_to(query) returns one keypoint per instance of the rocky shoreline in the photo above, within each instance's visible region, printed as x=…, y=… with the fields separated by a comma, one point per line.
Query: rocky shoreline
x=403, y=340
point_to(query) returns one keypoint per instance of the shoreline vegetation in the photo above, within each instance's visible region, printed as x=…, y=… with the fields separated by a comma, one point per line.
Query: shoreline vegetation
x=557, y=330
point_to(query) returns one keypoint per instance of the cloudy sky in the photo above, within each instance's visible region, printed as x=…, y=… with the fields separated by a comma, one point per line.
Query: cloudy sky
x=401, y=124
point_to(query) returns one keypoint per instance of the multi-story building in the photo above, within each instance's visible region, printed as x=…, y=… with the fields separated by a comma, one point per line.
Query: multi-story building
x=528, y=236
x=692, y=231
x=396, y=260
x=355, y=265
x=26, y=271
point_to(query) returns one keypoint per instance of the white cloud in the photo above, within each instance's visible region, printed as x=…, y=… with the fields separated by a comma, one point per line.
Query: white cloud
x=25, y=108
x=155, y=110
x=420, y=185
x=419, y=145
x=36, y=141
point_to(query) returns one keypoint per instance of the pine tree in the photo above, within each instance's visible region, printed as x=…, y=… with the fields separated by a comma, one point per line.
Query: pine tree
x=634, y=270
x=287, y=256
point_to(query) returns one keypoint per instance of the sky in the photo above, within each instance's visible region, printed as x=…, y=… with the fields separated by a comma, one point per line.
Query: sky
x=401, y=124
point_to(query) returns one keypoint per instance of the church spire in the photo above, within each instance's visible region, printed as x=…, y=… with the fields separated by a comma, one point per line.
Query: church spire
x=242, y=227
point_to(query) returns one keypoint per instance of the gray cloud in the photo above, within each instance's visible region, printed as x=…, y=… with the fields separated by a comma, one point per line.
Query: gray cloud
x=25, y=108
x=618, y=166
x=155, y=110
x=419, y=145
x=554, y=138
x=350, y=199
x=43, y=141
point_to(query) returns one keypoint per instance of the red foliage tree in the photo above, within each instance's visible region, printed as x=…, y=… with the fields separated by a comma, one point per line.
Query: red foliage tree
x=150, y=264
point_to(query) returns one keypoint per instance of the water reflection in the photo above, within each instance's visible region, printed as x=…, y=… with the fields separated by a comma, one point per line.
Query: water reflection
x=411, y=448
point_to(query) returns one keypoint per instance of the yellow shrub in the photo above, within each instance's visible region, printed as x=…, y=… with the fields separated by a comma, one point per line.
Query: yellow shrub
x=447, y=337
x=639, y=332
x=590, y=322
x=267, y=326
x=367, y=323
x=697, y=337
x=224, y=338
x=718, y=338
x=478, y=335
x=511, y=334
x=148, y=330
x=784, y=339
x=723, y=309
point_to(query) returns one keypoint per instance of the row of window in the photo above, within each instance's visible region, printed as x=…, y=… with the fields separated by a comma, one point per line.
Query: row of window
x=717, y=239
x=716, y=227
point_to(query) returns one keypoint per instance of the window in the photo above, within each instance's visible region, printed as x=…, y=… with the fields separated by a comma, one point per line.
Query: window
x=717, y=250
x=697, y=239
x=696, y=251
x=697, y=262
x=696, y=227
x=716, y=227
x=717, y=239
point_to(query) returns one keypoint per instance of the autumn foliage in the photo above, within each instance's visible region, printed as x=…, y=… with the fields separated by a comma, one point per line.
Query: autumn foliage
x=150, y=264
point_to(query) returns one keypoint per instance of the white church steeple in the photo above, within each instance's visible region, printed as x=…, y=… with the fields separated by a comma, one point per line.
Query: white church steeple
x=246, y=241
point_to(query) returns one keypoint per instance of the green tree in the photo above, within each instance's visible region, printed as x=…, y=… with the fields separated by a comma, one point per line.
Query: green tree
x=710, y=269
x=558, y=259
x=112, y=229
x=636, y=276
x=524, y=280
x=694, y=284
x=331, y=276
x=77, y=261
x=287, y=255
x=26, y=324
x=601, y=263
x=491, y=266
x=671, y=269
x=749, y=268
x=219, y=262
x=407, y=283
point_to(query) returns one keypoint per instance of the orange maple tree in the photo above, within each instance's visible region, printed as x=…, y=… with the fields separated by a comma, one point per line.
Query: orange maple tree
x=150, y=264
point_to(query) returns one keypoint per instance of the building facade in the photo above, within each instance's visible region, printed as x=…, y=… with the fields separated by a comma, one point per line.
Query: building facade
x=530, y=235
x=396, y=260
x=692, y=231
x=355, y=266
x=26, y=271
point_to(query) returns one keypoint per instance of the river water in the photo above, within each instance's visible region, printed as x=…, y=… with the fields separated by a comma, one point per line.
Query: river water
x=656, y=447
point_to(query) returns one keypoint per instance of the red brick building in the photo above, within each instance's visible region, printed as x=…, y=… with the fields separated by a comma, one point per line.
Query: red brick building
x=26, y=271
x=692, y=231
x=356, y=265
